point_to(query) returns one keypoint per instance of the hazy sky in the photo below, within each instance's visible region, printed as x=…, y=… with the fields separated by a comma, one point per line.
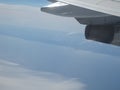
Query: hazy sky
x=39, y=51
x=29, y=16
x=24, y=14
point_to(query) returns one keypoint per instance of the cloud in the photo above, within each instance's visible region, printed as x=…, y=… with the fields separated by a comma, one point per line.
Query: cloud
x=8, y=63
x=28, y=16
x=18, y=78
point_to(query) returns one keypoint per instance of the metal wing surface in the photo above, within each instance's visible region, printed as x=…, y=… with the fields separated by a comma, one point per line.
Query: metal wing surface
x=111, y=7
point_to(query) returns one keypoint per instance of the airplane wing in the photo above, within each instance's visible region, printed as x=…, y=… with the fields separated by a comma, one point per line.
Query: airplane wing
x=111, y=7
x=52, y=0
x=101, y=17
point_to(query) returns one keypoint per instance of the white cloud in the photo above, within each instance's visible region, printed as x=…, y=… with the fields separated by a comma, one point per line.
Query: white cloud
x=17, y=78
x=28, y=16
x=8, y=63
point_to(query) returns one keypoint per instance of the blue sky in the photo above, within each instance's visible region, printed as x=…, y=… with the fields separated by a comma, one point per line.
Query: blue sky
x=39, y=51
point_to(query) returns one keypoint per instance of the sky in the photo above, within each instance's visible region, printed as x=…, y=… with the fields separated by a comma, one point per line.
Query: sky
x=39, y=51
x=25, y=2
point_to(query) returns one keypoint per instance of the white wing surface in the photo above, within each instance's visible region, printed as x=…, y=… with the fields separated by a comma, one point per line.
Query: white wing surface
x=111, y=7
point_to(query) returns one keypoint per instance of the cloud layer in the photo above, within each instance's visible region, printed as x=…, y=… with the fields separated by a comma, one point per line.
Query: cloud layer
x=14, y=77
